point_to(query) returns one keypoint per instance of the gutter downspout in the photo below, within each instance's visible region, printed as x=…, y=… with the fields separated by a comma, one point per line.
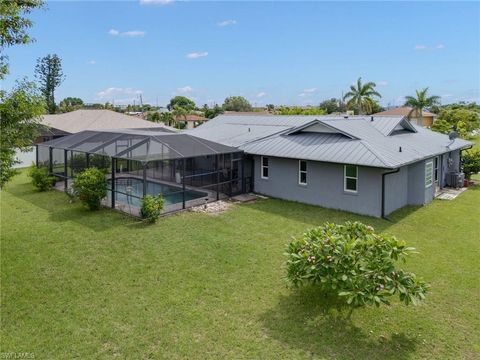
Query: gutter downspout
x=383, y=190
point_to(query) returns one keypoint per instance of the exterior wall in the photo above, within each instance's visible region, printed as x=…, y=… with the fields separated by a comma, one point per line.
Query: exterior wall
x=396, y=190
x=325, y=185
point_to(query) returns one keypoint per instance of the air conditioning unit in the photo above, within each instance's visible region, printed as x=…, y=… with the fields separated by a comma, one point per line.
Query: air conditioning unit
x=455, y=179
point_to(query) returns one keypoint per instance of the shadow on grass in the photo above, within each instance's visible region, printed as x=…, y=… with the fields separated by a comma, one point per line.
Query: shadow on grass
x=316, y=215
x=319, y=325
x=60, y=210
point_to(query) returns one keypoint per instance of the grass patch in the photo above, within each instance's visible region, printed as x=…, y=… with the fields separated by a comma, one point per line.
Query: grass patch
x=79, y=284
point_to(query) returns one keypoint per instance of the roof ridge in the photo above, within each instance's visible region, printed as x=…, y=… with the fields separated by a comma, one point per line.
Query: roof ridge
x=374, y=152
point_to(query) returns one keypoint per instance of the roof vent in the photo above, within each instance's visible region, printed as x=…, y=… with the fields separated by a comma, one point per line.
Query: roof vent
x=345, y=117
x=371, y=118
x=248, y=129
x=400, y=149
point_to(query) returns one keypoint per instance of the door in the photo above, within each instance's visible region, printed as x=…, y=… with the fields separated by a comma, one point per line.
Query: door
x=436, y=173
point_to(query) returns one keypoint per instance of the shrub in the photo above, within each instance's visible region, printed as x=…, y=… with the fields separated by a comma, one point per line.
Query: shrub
x=353, y=263
x=151, y=208
x=471, y=162
x=91, y=187
x=40, y=178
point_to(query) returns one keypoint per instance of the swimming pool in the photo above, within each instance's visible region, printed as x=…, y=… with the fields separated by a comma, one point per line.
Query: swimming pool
x=134, y=186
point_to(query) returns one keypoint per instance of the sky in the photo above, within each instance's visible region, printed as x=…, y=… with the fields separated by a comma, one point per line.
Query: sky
x=290, y=53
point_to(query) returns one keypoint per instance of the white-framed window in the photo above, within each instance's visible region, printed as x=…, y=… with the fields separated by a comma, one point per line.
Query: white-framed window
x=302, y=172
x=350, y=183
x=264, y=164
x=428, y=173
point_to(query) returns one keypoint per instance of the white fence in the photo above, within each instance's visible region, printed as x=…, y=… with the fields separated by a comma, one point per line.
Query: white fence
x=26, y=158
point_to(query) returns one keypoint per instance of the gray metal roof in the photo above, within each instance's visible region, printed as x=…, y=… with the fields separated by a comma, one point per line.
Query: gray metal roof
x=354, y=140
x=139, y=144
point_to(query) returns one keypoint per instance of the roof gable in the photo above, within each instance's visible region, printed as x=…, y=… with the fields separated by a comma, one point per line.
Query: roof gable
x=319, y=127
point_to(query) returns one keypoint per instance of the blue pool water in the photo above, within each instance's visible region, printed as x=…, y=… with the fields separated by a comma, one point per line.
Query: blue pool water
x=134, y=186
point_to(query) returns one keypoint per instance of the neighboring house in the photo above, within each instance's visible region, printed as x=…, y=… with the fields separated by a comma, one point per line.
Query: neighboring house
x=369, y=165
x=426, y=121
x=59, y=125
x=191, y=121
x=72, y=122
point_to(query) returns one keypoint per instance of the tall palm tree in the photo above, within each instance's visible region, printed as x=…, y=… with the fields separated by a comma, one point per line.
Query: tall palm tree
x=420, y=102
x=361, y=96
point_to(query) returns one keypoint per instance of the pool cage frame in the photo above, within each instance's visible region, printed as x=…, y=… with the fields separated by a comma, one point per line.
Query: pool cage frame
x=188, y=171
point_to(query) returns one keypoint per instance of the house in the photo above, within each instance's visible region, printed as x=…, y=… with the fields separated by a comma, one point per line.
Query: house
x=191, y=121
x=426, y=121
x=369, y=165
x=59, y=125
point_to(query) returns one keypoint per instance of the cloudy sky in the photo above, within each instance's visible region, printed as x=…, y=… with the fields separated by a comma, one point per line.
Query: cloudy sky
x=281, y=53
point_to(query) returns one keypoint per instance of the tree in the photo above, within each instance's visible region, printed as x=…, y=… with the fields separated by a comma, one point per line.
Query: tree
x=70, y=104
x=167, y=118
x=420, y=102
x=236, y=103
x=353, y=263
x=183, y=102
x=270, y=107
x=178, y=113
x=297, y=110
x=50, y=75
x=20, y=108
x=153, y=116
x=210, y=113
x=360, y=97
x=14, y=26
x=459, y=117
x=333, y=105
x=471, y=162
x=20, y=111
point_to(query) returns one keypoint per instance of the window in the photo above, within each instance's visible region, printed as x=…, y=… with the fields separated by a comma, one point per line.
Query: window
x=436, y=169
x=302, y=172
x=351, y=178
x=428, y=174
x=264, y=167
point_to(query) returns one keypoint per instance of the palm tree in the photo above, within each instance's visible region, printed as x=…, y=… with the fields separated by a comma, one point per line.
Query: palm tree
x=361, y=96
x=178, y=113
x=420, y=102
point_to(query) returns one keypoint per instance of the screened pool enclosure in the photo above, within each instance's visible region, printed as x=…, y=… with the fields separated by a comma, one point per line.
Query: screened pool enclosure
x=186, y=170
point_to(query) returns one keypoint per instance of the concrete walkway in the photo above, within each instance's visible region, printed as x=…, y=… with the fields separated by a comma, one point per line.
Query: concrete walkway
x=449, y=193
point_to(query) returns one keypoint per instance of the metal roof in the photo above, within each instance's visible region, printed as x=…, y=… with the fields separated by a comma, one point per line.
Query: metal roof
x=375, y=143
x=140, y=145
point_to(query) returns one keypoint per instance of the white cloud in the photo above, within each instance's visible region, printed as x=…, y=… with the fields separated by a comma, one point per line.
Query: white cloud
x=126, y=95
x=261, y=94
x=382, y=83
x=185, y=89
x=227, y=23
x=196, y=55
x=156, y=2
x=425, y=47
x=132, y=33
x=309, y=91
x=91, y=62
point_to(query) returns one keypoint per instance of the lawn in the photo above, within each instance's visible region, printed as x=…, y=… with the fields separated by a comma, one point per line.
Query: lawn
x=79, y=284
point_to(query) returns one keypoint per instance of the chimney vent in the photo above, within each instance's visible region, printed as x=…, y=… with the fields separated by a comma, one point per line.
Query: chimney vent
x=400, y=149
x=371, y=118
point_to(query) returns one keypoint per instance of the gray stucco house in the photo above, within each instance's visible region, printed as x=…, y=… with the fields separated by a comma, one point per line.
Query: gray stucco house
x=369, y=165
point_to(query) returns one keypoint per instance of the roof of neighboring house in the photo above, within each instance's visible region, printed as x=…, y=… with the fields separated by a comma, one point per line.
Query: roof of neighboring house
x=403, y=111
x=354, y=140
x=139, y=144
x=79, y=120
x=191, y=117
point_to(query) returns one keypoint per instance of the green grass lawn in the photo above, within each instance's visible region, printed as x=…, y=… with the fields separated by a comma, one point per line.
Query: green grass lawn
x=79, y=284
